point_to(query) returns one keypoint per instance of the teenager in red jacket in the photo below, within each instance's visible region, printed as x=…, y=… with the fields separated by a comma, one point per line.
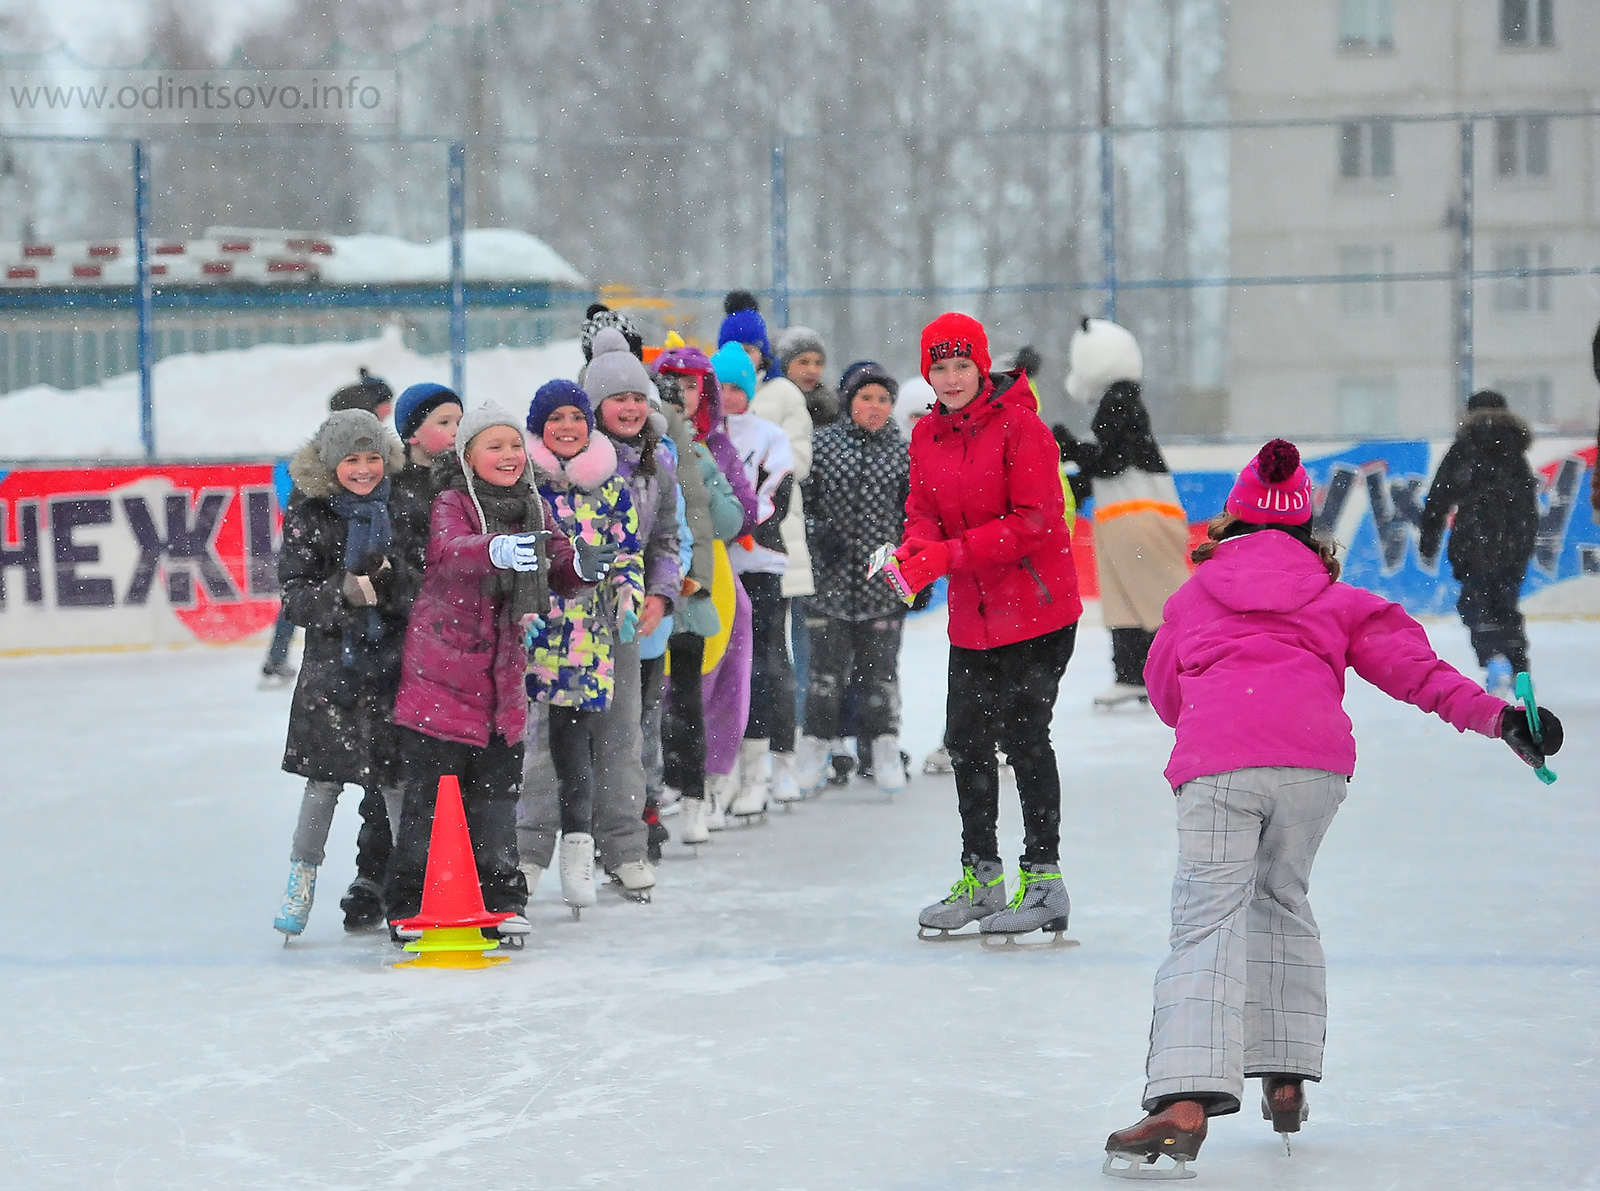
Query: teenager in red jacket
x=986, y=508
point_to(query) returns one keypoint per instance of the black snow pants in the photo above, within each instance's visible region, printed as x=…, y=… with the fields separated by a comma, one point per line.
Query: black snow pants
x=860, y=653
x=491, y=781
x=1004, y=698
x=683, y=724
x=1489, y=609
x=772, y=708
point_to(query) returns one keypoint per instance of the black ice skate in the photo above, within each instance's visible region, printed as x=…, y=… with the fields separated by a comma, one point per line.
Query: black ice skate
x=362, y=904
x=1041, y=904
x=1283, y=1102
x=1174, y=1132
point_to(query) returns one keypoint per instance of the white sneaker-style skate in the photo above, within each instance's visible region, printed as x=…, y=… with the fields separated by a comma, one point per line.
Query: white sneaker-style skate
x=1041, y=903
x=888, y=770
x=636, y=879
x=980, y=892
x=693, y=829
x=295, y=911
x=531, y=873
x=811, y=768
x=577, y=871
x=785, y=786
x=751, y=801
x=1121, y=694
x=938, y=761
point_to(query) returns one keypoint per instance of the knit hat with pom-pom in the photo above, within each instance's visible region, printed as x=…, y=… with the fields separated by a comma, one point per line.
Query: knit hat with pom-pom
x=743, y=324
x=1274, y=488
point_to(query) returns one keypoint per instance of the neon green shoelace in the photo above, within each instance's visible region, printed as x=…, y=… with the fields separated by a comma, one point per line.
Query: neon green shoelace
x=969, y=886
x=1026, y=877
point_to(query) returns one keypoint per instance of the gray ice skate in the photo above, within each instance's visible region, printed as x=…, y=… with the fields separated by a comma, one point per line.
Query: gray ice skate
x=979, y=894
x=1041, y=903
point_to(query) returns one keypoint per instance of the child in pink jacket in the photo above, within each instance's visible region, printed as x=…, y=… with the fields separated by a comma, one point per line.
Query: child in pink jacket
x=1248, y=667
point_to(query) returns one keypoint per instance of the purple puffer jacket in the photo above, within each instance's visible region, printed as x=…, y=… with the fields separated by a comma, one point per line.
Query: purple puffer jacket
x=461, y=678
x=655, y=499
x=1249, y=663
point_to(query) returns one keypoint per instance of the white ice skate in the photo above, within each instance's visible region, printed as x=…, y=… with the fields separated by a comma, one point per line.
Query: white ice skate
x=785, y=785
x=693, y=830
x=751, y=802
x=938, y=761
x=577, y=871
x=635, y=880
x=811, y=765
x=531, y=873
x=721, y=790
x=1121, y=694
x=511, y=932
x=888, y=769
x=980, y=892
x=1041, y=904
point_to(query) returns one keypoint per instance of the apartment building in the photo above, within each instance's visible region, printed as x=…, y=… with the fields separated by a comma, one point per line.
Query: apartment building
x=1366, y=188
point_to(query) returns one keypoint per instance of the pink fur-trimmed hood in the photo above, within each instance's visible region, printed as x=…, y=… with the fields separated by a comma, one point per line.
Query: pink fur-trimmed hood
x=588, y=469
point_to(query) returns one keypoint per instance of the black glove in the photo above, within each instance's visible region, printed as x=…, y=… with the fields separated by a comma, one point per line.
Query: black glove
x=1064, y=439
x=593, y=559
x=920, y=602
x=1514, y=731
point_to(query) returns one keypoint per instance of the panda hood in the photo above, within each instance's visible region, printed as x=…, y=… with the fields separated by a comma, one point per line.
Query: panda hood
x=1102, y=353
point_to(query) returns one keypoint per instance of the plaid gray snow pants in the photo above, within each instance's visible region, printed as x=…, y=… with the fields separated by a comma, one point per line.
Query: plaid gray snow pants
x=1244, y=991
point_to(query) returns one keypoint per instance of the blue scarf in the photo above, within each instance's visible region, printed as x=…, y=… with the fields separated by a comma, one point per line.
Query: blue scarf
x=370, y=529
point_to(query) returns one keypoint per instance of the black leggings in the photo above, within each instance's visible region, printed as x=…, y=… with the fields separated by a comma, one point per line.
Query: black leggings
x=572, y=755
x=855, y=654
x=771, y=675
x=1004, y=698
x=1488, y=607
x=683, y=726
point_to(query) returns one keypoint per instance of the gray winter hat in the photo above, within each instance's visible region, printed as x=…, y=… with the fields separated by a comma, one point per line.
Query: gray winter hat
x=614, y=369
x=346, y=433
x=473, y=423
x=797, y=341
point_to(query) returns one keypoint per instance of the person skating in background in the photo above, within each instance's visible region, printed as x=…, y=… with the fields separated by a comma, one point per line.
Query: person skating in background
x=705, y=712
x=342, y=571
x=803, y=360
x=986, y=509
x=780, y=401
x=583, y=661
x=1249, y=669
x=1486, y=492
x=462, y=709
x=1141, y=533
x=856, y=502
x=760, y=561
x=425, y=416
x=373, y=395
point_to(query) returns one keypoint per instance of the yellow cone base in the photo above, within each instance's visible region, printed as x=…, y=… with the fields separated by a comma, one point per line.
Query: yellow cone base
x=452, y=947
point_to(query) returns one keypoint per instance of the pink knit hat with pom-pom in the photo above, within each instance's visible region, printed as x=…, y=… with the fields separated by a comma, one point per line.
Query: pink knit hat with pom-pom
x=1273, y=489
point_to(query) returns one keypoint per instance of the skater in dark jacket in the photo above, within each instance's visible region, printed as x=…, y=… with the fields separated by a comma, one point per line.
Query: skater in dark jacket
x=1485, y=481
x=855, y=501
x=343, y=570
x=986, y=508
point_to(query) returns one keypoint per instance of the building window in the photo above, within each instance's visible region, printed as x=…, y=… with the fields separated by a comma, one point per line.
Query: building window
x=1531, y=397
x=1366, y=297
x=1367, y=405
x=1515, y=295
x=1527, y=22
x=1522, y=146
x=1366, y=149
x=1366, y=24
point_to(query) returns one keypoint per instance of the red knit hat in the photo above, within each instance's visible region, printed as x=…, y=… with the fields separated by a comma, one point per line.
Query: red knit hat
x=951, y=335
x=1273, y=489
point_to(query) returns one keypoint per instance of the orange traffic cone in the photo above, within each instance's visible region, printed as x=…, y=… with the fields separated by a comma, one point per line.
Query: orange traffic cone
x=452, y=899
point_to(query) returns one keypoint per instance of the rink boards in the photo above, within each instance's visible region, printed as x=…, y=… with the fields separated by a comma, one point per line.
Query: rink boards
x=136, y=557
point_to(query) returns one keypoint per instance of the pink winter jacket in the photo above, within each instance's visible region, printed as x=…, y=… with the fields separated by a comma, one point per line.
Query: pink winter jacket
x=1249, y=663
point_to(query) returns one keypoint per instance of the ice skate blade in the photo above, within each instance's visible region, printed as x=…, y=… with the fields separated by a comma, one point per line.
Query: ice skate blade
x=1141, y=702
x=944, y=934
x=577, y=913
x=1001, y=940
x=1143, y=1167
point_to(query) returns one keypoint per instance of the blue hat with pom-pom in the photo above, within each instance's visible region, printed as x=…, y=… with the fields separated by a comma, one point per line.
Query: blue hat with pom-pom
x=552, y=395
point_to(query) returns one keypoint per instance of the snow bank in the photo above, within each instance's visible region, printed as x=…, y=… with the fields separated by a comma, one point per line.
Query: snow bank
x=258, y=402
x=489, y=254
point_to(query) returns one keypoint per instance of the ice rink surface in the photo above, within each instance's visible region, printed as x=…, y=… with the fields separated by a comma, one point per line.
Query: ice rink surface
x=771, y=1021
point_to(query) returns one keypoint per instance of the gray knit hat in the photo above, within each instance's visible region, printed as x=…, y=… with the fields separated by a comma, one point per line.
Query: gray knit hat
x=797, y=341
x=614, y=369
x=473, y=423
x=348, y=432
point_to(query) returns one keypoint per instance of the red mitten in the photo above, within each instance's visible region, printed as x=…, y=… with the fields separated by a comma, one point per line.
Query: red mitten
x=920, y=563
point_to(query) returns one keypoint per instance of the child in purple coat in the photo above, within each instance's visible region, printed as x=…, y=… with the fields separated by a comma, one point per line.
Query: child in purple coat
x=1248, y=667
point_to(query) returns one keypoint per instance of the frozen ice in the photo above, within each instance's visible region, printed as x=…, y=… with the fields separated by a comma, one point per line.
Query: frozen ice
x=771, y=1020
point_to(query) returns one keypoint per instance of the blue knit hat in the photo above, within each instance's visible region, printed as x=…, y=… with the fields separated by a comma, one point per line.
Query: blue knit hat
x=733, y=367
x=744, y=324
x=417, y=402
x=552, y=395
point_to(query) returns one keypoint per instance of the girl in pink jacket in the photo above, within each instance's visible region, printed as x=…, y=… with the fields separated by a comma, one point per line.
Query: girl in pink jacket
x=1248, y=667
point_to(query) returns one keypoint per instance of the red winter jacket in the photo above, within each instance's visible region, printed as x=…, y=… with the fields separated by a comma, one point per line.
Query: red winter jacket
x=461, y=678
x=987, y=480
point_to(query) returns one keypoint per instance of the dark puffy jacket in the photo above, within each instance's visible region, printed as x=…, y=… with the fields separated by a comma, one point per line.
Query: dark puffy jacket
x=338, y=729
x=1485, y=480
x=986, y=479
x=462, y=675
x=855, y=501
